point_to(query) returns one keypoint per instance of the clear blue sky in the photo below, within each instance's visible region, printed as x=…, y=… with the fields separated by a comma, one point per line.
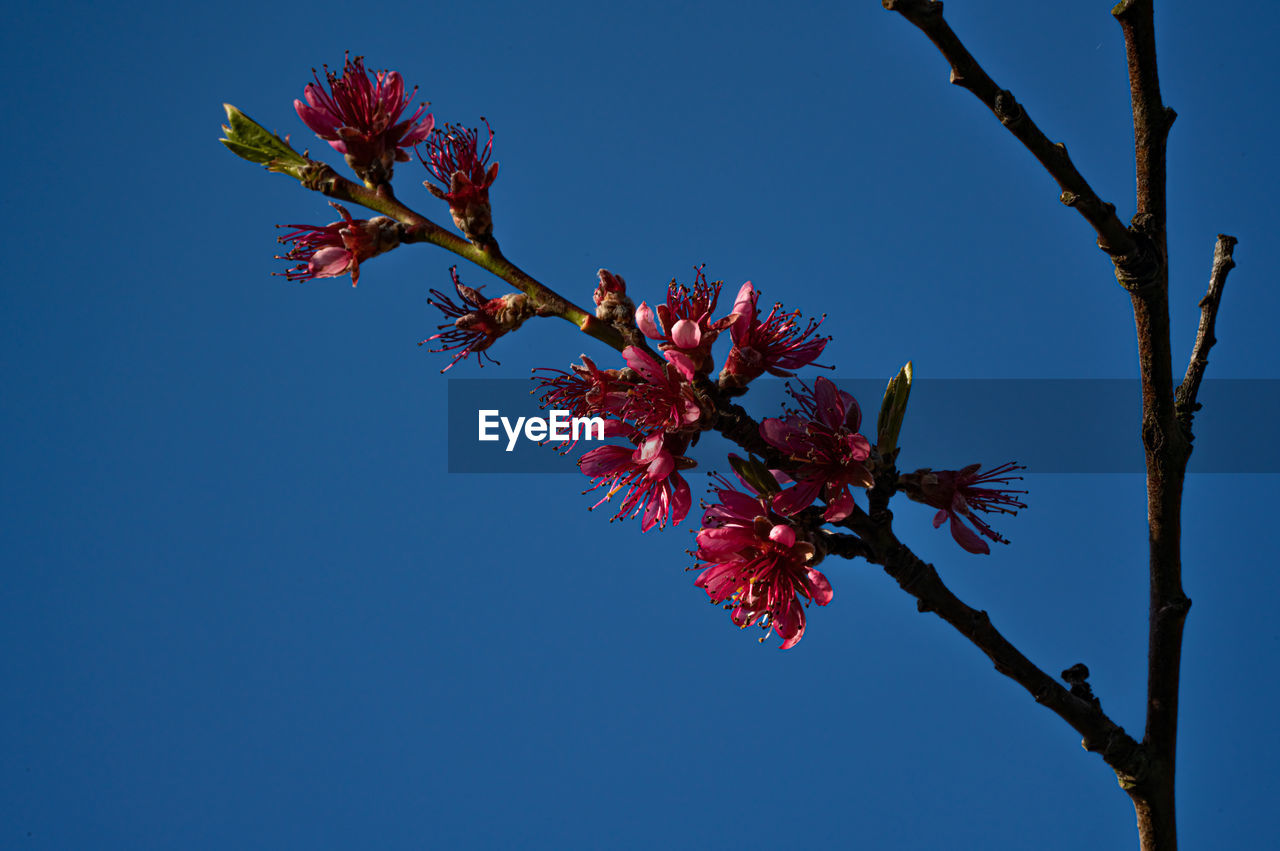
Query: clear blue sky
x=244, y=605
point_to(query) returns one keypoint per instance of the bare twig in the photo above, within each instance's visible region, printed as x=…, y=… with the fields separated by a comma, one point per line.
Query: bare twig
x=1113, y=237
x=1223, y=262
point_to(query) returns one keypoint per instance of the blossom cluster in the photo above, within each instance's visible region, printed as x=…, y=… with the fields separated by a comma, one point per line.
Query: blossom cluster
x=660, y=402
x=757, y=548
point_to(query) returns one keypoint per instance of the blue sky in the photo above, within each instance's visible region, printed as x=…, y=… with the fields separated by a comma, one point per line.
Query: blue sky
x=246, y=606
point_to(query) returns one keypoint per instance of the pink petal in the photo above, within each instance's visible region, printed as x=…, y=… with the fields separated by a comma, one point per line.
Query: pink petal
x=797, y=498
x=644, y=321
x=967, y=538
x=830, y=406
x=318, y=120
x=681, y=499
x=605, y=461
x=330, y=262
x=642, y=362
x=682, y=363
x=840, y=507
x=822, y=592
x=789, y=623
x=744, y=307
x=686, y=334
x=784, y=535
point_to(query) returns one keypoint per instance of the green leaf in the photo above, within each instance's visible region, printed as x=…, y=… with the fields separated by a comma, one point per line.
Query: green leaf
x=892, y=410
x=754, y=473
x=248, y=140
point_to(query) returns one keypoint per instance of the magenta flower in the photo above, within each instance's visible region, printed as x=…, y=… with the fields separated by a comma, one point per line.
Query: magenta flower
x=360, y=118
x=775, y=344
x=648, y=474
x=687, y=330
x=478, y=323
x=823, y=439
x=958, y=494
x=455, y=158
x=755, y=561
x=661, y=400
x=338, y=248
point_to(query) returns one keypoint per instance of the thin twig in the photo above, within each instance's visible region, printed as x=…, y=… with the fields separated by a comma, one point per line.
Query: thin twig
x=1223, y=262
x=1113, y=237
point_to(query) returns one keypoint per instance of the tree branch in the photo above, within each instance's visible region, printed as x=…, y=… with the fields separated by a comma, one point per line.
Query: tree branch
x=1223, y=262
x=418, y=228
x=874, y=540
x=1151, y=119
x=919, y=579
x=1113, y=237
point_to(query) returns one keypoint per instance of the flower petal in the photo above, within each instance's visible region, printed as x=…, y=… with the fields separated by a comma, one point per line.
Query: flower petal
x=644, y=321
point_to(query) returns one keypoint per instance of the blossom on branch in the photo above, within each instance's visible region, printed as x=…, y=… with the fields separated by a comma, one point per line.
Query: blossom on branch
x=687, y=330
x=360, y=118
x=455, y=158
x=958, y=493
x=775, y=344
x=478, y=323
x=823, y=439
x=756, y=562
x=649, y=475
x=337, y=249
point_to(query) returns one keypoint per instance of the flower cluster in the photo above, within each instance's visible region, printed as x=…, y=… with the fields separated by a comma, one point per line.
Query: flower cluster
x=757, y=563
x=360, y=118
x=757, y=548
x=337, y=249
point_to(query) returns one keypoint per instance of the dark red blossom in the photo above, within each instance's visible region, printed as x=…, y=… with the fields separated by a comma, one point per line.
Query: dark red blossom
x=757, y=563
x=687, y=330
x=456, y=159
x=335, y=249
x=959, y=493
x=478, y=322
x=360, y=118
x=775, y=344
x=648, y=475
x=823, y=439
x=584, y=390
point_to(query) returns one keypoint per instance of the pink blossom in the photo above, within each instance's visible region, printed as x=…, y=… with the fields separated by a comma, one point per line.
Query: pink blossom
x=455, y=158
x=337, y=249
x=661, y=400
x=360, y=118
x=958, y=494
x=478, y=323
x=757, y=562
x=823, y=439
x=648, y=475
x=687, y=330
x=775, y=344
